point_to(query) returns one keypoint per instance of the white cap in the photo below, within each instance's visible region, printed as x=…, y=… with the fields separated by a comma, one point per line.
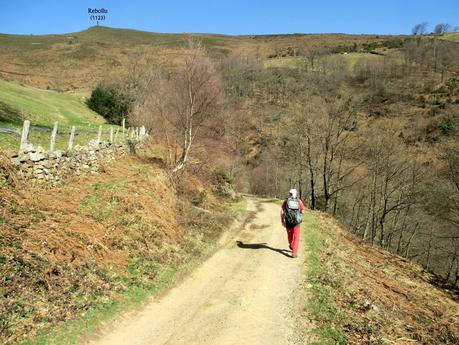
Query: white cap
x=293, y=192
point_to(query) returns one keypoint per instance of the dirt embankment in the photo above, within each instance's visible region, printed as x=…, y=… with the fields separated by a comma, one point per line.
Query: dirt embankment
x=94, y=239
x=378, y=297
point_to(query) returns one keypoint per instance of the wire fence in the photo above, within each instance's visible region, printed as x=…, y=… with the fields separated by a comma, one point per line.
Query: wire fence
x=32, y=137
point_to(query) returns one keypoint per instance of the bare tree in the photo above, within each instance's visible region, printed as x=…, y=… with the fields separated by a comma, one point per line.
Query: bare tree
x=336, y=130
x=419, y=29
x=176, y=106
x=303, y=147
x=311, y=55
x=451, y=158
x=318, y=148
x=152, y=108
x=442, y=28
x=197, y=96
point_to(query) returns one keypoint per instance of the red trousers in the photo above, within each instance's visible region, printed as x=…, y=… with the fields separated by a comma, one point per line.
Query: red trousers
x=294, y=239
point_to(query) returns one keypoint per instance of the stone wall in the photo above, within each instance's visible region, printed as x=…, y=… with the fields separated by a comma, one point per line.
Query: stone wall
x=39, y=166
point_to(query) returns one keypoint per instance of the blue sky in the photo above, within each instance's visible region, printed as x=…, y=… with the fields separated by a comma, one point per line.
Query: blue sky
x=230, y=17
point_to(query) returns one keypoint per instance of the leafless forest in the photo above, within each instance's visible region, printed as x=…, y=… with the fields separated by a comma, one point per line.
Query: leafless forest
x=373, y=143
x=365, y=133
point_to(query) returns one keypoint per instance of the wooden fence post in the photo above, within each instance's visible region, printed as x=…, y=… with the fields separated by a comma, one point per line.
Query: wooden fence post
x=72, y=136
x=25, y=135
x=52, y=145
x=116, y=134
x=111, y=135
x=99, y=135
x=123, y=123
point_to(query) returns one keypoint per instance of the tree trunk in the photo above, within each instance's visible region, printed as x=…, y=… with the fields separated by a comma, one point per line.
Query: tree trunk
x=382, y=219
x=335, y=203
x=184, y=156
x=371, y=212
x=325, y=170
x=456, y=280
x=429, y=251
x=408, y=243
x=311, y=174
x=325, y=181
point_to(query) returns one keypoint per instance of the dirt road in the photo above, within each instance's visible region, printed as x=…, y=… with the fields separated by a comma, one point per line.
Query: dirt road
x=244, y=294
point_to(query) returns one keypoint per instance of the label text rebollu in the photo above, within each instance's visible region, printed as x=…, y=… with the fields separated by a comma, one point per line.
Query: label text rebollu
x=97, y=10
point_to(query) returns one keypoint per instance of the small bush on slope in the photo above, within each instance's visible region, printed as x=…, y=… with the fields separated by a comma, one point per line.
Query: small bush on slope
x=109, y=102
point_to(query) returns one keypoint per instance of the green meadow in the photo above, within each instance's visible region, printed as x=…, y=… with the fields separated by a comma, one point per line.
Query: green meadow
x=43, y=108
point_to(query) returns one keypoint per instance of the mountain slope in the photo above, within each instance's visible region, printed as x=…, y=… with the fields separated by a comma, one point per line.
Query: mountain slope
x=79, y=60
x=361, y=294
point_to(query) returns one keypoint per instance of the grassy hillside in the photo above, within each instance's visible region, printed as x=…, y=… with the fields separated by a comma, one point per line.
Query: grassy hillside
x=358, y=294
x=451, y=36
x=42, y=108
x=350, y=60
x=79, y=60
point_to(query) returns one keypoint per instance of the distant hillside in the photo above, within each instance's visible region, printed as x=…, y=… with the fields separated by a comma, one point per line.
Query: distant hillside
x=451, y=36
x=79, y=60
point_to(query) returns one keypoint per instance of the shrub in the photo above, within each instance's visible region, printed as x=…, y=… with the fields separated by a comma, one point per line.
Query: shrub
x=452, y=85
x=447, y=126
x=110, y=102
x=7, y=172
x=343, y=49
x=393, y=43
x=199, y=198
x=9, y=114
x=433, y=111
x=223, y=177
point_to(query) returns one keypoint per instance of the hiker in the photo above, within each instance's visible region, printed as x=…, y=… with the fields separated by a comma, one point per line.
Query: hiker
x=291, y=216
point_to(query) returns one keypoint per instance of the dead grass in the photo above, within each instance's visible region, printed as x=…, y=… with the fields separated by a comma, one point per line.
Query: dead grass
x=385, y=299
x=68, y=250
x=8, y=174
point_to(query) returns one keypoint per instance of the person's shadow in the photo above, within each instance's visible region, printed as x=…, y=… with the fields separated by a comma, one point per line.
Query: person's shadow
x=243, y=245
